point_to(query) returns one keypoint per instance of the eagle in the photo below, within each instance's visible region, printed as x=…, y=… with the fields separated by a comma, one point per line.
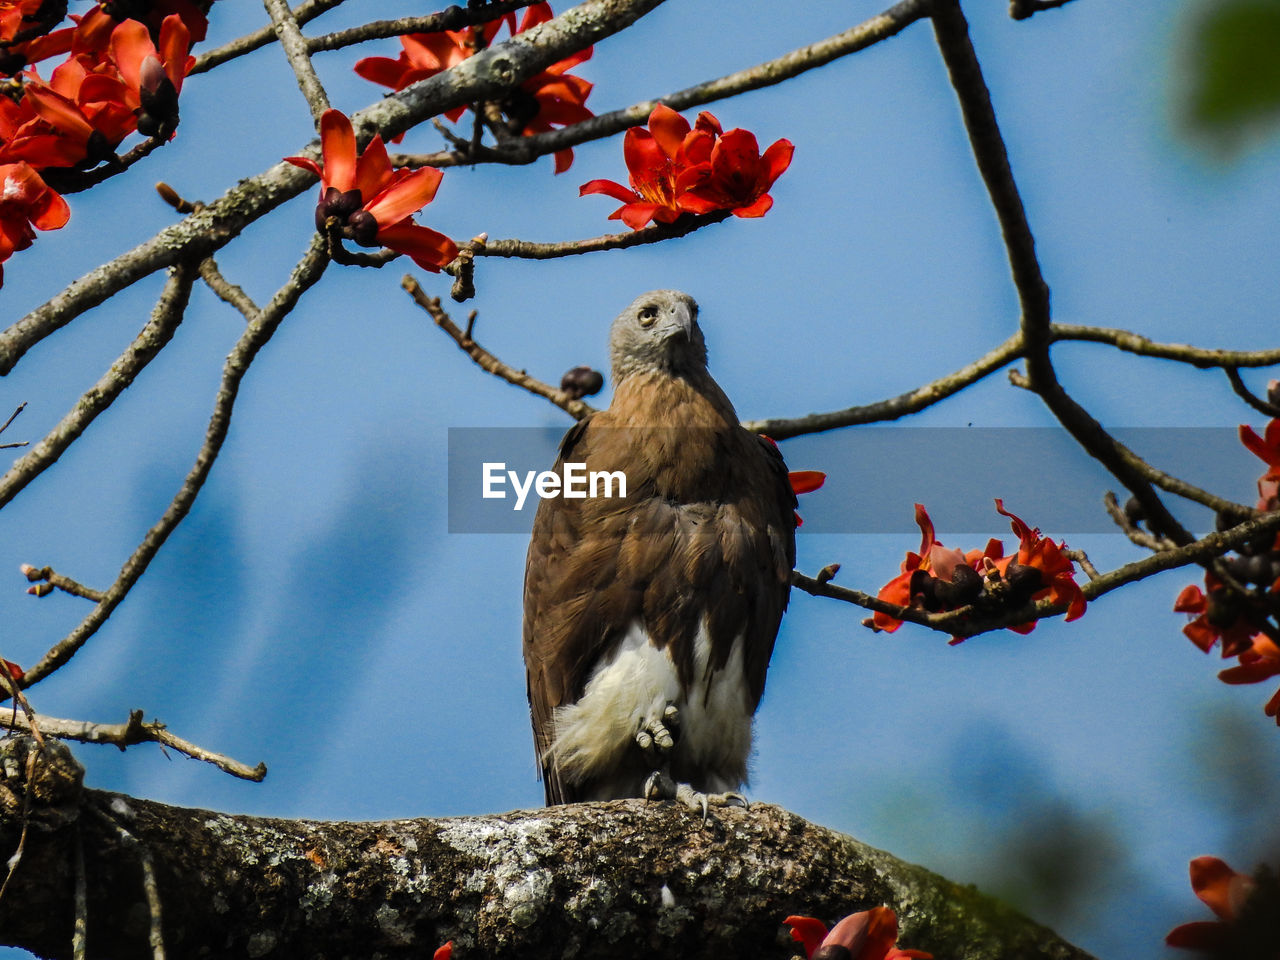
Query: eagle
x=650, y=618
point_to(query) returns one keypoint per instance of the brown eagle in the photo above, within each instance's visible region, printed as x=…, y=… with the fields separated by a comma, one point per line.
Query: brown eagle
x=649, y=618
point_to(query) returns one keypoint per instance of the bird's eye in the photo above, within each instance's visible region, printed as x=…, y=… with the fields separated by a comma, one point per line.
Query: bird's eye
x=648, y=315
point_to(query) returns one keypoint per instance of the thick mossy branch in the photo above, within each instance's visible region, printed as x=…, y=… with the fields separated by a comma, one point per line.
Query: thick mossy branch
x=618, y=880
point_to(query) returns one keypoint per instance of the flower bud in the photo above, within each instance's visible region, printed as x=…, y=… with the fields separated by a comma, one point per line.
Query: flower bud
x=582, y=382
x=362, y=227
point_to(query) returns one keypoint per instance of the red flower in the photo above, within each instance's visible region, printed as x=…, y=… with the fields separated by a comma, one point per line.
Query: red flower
x=737, y=178
x=1056, y=570
x=676, y=169
x=940, y=578
x=14, y=671
x=373, y=203
x=1224, y=892
x=26, y=202
x=423, y=55
x=93, y=30
x=152, y=76
x=656, y=160
x=1217, y=617
x=1266, y=448
x=867, y=935
x=552, y=98
x=443, y=953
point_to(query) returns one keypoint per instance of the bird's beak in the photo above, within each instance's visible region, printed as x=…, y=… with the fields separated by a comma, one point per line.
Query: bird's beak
x=680, y=322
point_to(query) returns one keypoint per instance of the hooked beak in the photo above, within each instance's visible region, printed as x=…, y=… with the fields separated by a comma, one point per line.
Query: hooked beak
x=679, y=322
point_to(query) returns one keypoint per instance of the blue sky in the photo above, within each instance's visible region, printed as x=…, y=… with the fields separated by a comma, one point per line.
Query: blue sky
x=313, y=611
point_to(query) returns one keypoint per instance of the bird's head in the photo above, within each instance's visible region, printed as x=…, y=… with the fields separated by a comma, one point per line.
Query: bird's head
x=658, y=332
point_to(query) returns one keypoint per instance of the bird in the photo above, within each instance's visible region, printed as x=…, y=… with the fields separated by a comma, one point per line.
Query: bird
x=650, y=618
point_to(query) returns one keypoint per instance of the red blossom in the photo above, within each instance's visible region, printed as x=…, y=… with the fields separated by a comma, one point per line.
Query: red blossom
x=26, y=202
x=552, y=98
x=674, y=169
x=374, y=204
x=939, y=578
x=1224, y=892
x=1217, y=616
x=93, y=30
x=14, y=671
x=866, y=935
x=444, y=953
x=1267, y=449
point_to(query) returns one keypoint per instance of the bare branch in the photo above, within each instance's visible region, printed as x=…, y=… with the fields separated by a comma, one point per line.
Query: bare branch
x=159, y=330
x=295, y=48
x=259, y=331
x=303, y=13
x=952, y=34
x=130, y=733
x=1023, y=9
x=1135, y=343
x=654, y=233
x=1248, y=396
x=451, y=18
x=227, y=291
x=74, y=181
x=781, y=428
x=487, y=361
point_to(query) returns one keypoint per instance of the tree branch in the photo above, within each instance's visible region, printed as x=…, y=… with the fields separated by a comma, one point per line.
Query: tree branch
x=620, y=880
x=295, y=49
x=303, y=13
x=952, y=33
x=157, y=332
x=258, y=332
x=487, y=361
x=134, y=731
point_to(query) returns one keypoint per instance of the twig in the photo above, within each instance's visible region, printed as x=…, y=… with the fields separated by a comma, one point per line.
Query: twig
x=451, y=18
x=227, y=291
x=487, y=361
x=1130, y=342
x=258, y=332
x=295, y=48
x=1131, y=530
x=930, y=393
x=13, y=416
x=1248, y=396
x=527, y=149
x=1022, y=9
x=1082, y=558
x=654, y=233
x=303, y=13
x=952, y=34
x=134, y=731
x=75, y=181
x=159, y=330
x=48, y=577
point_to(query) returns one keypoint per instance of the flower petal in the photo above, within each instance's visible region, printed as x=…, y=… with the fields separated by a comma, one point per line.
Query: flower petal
x=338, y=143
x=405, y=196
x=427, y=248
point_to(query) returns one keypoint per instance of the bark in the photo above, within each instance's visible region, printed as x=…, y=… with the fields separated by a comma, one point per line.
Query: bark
x=621, y=879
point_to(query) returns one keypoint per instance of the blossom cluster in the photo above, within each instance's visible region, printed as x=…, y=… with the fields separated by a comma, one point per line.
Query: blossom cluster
x=940, y=578
x=545, y=101
x=675, y=168
x=1240, y=621
x=122, y=74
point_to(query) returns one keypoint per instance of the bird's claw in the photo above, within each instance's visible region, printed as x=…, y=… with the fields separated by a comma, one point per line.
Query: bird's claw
x=659, y=786
x=657, y=735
